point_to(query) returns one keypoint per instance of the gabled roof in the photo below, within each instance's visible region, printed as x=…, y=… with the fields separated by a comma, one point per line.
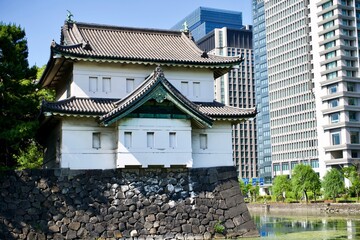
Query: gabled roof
x=112, y=43
x=158, y=88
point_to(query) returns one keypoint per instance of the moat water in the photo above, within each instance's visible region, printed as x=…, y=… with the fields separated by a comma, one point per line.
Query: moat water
x=310, y=227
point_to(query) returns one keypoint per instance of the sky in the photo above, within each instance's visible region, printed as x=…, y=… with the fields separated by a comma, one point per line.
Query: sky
x=42, y=19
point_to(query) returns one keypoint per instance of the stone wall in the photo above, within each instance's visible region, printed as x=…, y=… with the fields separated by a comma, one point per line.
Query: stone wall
x=124, y=203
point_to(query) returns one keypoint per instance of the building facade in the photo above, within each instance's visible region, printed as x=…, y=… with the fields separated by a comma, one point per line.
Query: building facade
x=130, y=100
x=203, y=20
x=237, y=88
x=312, y=51
x=262, y=93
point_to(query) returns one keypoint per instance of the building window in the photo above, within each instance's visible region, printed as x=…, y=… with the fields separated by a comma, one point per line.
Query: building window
x=351, y=87
x=128, y=139
x=335, y=138
x=96, y=141
x=172, y=139
x=314, y=163
x=276, y=167
x=129, y=85
x=93, y=84
x=293, y=164
x=352, y=101
x=331, y=75
x=203, y=141
x=185, y=88
x=330, y=55
x=150, y=139
x=334, y=103
x=333, y=89
x=285, y=166
x=327, y=4
x=329, y=35
x=335, y=117
x=354, y=154
x=331, y=65
x=354, y=137
x=328, y=14
x=106, y=84
x=196, y=89
x=352, y=116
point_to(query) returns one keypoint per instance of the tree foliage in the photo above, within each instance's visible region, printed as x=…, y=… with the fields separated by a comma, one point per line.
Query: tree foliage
x=281, y=184
x=353, y=175
x=305, y=179
x=333, y=183
x=19, y=98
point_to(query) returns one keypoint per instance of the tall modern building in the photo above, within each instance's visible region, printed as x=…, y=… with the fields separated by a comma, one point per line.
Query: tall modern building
x=221, y=32
x=237, y=89
x=203, y=20
x=262, y=93
x=312, y=58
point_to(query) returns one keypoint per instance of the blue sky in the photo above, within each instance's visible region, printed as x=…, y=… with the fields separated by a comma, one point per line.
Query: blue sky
x=42, y=19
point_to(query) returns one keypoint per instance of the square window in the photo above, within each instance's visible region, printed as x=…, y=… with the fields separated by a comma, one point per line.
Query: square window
x=335, y=117
x=93, y=84
x=106, y=84
x=354, y=137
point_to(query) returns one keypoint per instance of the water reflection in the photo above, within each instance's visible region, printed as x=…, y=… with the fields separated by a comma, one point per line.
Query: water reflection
x=296, y=226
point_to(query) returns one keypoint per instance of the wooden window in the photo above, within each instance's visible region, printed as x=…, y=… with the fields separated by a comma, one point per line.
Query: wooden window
x=128, y=139
x=106, y=81
x=203, y=141
x=129, y=85
x=185, y=88
x=96, y=140
x=150, y=139
x=172, y=139
x=196, y=89
x=93, y=84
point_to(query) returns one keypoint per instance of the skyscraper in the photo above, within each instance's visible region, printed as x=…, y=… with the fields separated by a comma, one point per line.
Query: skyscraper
x=262, y=93
x=203, y=20
x=237, y=88
x=221, y=32
x=313, y=81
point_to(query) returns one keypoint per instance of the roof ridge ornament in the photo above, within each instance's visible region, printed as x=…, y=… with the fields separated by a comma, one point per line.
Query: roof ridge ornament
x=186, y=28
x=159, y=73
x=69, y=17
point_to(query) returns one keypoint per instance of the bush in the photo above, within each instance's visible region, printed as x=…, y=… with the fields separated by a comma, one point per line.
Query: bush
x=218, y=227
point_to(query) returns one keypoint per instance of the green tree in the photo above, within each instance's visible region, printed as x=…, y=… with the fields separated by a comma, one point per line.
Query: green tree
x=333, y=183
x=281, y=185
x=254, y=191
x=304, y=179
x=244, y=188
x=352, y=174
x=19, y=98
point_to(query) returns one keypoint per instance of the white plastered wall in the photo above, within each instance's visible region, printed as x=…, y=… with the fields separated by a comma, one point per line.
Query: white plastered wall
x=138, y=153
x=77, y=150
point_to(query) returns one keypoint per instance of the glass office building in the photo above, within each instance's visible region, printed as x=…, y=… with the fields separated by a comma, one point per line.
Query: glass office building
x=262, y=93
x=203, y=20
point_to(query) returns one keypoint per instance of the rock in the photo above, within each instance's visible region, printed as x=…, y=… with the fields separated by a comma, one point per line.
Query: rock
x=74, y=226
x=134, y=233
x=71, y=234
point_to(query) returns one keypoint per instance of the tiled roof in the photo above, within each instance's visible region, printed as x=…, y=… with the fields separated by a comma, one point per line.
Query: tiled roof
x=108, y=110
x=111, y=43
x=219, y=110
x=80, y=106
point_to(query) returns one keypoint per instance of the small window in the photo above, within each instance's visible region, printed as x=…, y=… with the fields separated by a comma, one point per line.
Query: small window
x=354, y=137
x=129, y=85
x=203, y=141
x=334, y=103
x=196, y=90
x=352, y=116
x=128, y=139
x=96, y=141
x=150, y=139
x=106, y=84
x=352, y=101
x=172, y=139
x=185, y=88
x=93, y=84
x=335, y=117
x=335, y=138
